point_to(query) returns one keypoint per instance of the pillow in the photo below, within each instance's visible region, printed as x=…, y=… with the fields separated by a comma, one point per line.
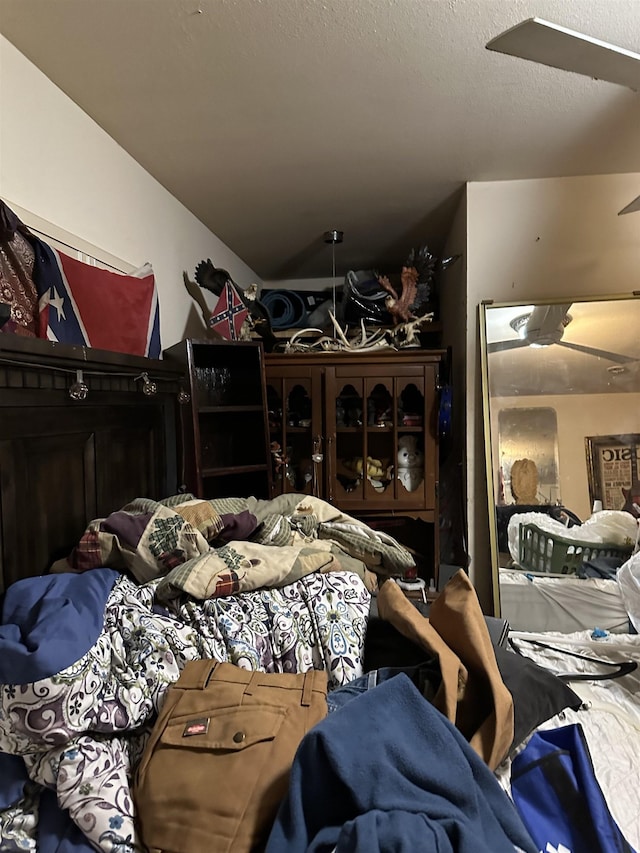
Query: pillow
x=88, y=306
x=537, y=693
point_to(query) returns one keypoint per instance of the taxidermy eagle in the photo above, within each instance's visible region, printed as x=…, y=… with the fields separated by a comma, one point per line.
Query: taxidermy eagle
x=416, y=279
x=212, y=278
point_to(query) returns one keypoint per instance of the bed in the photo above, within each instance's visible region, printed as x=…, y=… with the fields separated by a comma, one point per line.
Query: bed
x=562, y=603
x=609, y=715
x=99, y=635
x=581, y=626
x=558, y=578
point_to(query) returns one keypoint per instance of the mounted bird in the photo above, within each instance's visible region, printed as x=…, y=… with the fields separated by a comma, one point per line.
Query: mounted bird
x=413, y=299
x=214, y=279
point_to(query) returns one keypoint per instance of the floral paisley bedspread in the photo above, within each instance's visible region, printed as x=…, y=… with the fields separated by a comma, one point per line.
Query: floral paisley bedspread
x=80, y=732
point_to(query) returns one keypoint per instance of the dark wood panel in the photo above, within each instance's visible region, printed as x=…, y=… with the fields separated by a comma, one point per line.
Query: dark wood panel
x=48, y=492
x=131, y=465
x=65, y=462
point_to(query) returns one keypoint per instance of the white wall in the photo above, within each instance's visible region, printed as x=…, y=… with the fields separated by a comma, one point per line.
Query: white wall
x=534, y=239
x=59, y=164
x=578, y=416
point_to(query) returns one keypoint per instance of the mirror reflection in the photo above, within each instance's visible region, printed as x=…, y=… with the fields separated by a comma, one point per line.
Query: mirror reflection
x=561, y=385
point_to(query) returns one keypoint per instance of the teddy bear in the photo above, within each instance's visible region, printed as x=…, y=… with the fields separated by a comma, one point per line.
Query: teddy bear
x=410, y=462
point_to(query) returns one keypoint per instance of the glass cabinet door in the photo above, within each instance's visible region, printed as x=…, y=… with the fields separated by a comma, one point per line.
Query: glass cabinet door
x=295, y=434
x=380, y=439
x=346, y=415
x=410, y=462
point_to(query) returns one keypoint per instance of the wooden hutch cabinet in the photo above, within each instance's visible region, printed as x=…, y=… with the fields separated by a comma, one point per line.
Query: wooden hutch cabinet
x=340, y=419
x=224, y=440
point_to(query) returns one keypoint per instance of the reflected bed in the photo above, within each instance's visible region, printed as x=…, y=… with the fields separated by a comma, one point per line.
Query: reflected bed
x=531, y=602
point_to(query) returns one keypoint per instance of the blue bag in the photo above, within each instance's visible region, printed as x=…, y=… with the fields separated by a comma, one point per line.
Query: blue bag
x=556, y=792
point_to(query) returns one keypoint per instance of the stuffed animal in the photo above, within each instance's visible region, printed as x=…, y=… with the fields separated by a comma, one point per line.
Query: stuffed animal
x=410, y=462
x=375, y=468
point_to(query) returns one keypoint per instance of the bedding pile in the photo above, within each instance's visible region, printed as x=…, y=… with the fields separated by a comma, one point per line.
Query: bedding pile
x=86, y=657
x=89, y=652
x=80, y=728
x=223, y=546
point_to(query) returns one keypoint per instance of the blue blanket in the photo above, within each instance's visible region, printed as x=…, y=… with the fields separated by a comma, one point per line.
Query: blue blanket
x=50, y=622
x=47, y=624
x=387, y=771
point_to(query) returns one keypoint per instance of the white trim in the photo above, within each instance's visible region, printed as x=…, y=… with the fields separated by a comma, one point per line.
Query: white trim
x=66, y=241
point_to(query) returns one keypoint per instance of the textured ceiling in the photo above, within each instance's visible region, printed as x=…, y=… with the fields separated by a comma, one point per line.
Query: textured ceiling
x=276, y=120
x=601, y=326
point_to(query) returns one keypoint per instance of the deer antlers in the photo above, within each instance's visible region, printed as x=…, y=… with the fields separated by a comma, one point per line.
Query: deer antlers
x=404, y=334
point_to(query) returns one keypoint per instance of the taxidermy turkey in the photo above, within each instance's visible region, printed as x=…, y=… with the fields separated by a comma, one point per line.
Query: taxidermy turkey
x=213, y=278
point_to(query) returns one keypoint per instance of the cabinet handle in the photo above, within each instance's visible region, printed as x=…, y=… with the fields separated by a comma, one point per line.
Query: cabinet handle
x=317, y=458
x=317, y=455
x=329, y=468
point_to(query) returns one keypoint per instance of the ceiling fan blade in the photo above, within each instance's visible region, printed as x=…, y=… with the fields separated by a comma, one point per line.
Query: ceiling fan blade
x=632, y=207
x=559, y=47
x=616, y=357
x=503, y=346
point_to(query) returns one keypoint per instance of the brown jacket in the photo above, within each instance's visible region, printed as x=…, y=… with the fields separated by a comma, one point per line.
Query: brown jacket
x=472, y=694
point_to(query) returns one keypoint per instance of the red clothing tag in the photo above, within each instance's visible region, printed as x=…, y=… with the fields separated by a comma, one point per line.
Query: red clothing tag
x=196, y=727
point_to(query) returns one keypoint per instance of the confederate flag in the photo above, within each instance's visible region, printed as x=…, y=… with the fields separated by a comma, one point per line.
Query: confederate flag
x=89, y=306
x=229, y=314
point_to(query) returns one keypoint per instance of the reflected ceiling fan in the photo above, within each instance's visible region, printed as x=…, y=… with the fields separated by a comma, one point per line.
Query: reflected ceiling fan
x=554, y=45
x=544, y=326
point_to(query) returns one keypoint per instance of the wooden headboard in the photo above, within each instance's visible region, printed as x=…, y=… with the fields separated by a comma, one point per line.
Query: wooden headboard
x=64, y=462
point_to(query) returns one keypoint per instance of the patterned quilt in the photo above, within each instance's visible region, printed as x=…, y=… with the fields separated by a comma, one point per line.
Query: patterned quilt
x=79, y=732
x=212, y=548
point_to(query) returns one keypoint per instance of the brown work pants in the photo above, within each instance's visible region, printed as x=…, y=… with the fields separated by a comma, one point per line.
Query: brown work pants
x=217, y=764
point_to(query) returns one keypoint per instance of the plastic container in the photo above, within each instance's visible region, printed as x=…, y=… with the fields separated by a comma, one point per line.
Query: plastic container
x=540, y=551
